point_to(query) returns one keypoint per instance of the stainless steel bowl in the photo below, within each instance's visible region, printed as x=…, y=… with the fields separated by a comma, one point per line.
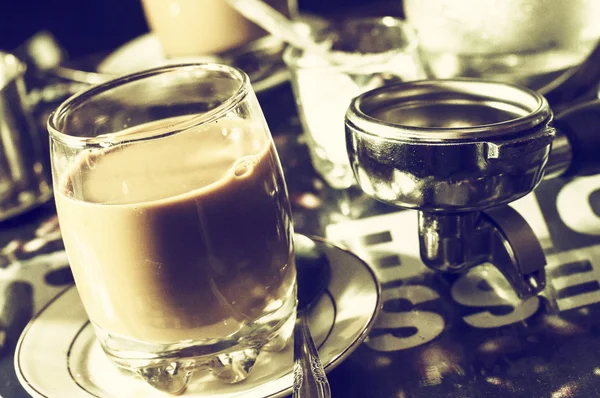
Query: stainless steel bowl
x=449, y=145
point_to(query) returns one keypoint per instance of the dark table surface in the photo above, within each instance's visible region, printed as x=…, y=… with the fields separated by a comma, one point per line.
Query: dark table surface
x=86, y=27
x=437, y=335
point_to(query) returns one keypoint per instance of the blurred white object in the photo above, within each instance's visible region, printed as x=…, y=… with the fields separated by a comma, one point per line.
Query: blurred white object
x=522, y=41
x=190, y=28
x=42, y=51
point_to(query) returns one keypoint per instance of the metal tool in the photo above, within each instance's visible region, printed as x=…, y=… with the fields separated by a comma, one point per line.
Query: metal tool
x=459, y=151
x=313, y=274
x=24, y=179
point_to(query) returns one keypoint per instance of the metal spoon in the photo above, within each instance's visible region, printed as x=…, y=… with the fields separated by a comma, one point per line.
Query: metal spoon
x=279, y=26
x=313, y=273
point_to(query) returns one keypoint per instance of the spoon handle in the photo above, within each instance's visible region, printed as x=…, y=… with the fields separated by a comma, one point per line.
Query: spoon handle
x=277, y=24
x=310, y=380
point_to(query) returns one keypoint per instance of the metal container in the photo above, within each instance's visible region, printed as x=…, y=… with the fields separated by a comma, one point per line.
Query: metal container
x=449, y=145
x=24, y=181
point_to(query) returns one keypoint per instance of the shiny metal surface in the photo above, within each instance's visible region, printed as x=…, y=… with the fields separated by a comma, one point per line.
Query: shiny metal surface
x=580, y=125
x=24, y=182
x=447, y=110
x=313, y=276
x=560, y=158
x=448, y=145
x=458, y=151
x=458, y=241
x=453, y=242
x=516, y=251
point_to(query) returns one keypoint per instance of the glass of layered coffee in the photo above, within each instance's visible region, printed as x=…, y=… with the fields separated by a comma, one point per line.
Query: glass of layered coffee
x=176, y=221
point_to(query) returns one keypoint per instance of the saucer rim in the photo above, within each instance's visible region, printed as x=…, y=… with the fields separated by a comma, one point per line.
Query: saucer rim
x=331, y=365
x=78, y=74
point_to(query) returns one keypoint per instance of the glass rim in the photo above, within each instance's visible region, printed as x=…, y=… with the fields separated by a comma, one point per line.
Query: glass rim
x=292, y=54
x=76, y=100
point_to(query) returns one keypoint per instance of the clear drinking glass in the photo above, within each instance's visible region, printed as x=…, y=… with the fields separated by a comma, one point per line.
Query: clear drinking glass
x=362, y=54
x=175, y=217
x=527, y=42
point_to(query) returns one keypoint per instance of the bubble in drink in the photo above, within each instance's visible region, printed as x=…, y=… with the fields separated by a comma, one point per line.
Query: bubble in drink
x=244, y=166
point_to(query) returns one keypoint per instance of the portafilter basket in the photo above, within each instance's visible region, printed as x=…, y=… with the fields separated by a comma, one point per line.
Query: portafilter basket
x=458, y=151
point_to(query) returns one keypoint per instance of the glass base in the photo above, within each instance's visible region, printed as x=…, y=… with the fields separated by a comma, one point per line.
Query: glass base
x=169, y=367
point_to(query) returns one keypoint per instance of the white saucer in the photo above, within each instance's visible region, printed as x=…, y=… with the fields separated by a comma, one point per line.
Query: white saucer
x=57, y=355
x=261, y=59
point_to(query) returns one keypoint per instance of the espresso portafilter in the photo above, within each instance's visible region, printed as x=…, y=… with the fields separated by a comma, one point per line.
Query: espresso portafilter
x=458, y=152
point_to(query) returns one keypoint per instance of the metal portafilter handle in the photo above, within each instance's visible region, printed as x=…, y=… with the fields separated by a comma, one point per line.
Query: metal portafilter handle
x=500, y=236
x=458, y=151
x=580, y=127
